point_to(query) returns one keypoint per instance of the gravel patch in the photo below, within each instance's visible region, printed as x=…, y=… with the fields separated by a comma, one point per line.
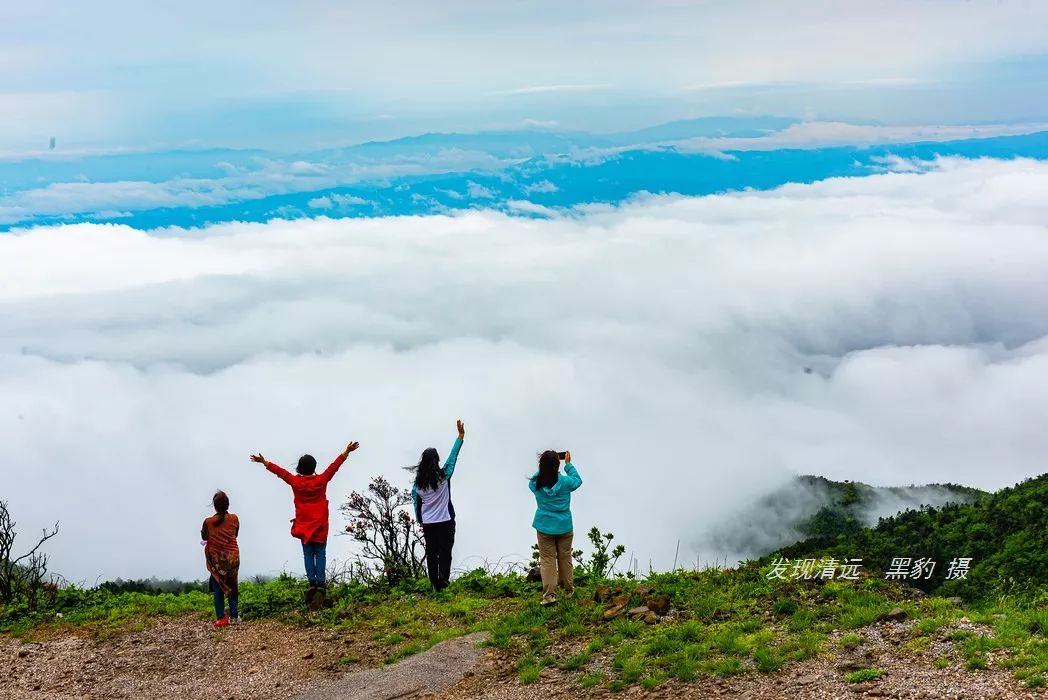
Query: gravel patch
x=422, y=674
x=175, y=659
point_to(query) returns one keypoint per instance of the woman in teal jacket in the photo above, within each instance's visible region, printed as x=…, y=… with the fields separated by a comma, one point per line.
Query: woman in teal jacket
x=553, y=522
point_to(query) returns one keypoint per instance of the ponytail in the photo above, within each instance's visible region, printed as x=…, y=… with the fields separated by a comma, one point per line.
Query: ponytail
x=221, y=504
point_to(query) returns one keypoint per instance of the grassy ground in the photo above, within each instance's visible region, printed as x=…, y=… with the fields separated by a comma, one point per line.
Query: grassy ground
x=723, y=623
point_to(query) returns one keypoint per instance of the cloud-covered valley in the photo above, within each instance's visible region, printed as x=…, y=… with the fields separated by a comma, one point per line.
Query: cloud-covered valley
x=693, y=353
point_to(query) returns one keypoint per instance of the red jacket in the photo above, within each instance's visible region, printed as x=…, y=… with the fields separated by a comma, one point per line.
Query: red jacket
x=311, y=503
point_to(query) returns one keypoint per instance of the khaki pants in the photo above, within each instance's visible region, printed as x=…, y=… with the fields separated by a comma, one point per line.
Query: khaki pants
x=555, y=565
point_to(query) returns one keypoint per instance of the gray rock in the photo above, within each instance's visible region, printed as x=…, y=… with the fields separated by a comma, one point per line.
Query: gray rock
x=896, y=615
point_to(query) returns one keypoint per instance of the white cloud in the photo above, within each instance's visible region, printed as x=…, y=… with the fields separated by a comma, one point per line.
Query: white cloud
x=269, y=178
x=337, y=201
x=526, y=207
x=349, y=200
x=325, y=67
x=817, y=134
x=544, y=89
x=541, y=123
x=542, y=187
x=663, y=341
x=475, y=190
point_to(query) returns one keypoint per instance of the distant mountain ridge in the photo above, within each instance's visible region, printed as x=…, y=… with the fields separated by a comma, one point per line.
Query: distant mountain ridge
x=1004, y=533
x=816, y=509
x=524, y=173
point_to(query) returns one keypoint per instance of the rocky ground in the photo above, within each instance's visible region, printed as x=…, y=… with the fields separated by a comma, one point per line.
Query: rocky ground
x=180, y=658
x=185, y=659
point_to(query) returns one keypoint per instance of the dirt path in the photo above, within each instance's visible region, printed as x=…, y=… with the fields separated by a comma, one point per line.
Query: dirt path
x=177, y=659
x=183, y=659
x=429, y=672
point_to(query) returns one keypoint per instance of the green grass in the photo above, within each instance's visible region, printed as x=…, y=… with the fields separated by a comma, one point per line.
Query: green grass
x=727, y=623
x=767, y=661
x=592, y=680
x=653, y=681
x=863, y=674
x=574, y=663
x=851, y=641
x=529, y=674
x=977, y=662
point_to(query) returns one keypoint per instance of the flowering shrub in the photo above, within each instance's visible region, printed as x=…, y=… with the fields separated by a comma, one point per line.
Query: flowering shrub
x=391, y=541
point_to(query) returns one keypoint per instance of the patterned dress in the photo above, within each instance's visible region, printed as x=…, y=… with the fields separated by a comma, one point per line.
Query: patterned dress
x=221, y=552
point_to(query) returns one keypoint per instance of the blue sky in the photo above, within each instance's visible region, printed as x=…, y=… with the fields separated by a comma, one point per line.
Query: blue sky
x=113, y=74
x=736, y=240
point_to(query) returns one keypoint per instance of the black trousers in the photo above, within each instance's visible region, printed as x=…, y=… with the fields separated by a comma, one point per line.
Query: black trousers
x=440, y=538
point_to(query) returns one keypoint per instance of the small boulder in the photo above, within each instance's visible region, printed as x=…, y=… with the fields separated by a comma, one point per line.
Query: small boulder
x=622, y=599
x=639, y=611
x=659, y=604
x=643, y=591
x=603, y=593
x=650, y=618
x=614, y=612
x=895, y=615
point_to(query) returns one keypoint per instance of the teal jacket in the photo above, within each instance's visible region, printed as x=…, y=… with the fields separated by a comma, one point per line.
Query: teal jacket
x=553, y=515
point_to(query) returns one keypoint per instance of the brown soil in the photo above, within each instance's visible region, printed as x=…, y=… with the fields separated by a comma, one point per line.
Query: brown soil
x=185, y=659
x=181, y=658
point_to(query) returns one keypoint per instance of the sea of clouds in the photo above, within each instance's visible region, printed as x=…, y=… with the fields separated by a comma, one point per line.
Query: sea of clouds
x=693, y=353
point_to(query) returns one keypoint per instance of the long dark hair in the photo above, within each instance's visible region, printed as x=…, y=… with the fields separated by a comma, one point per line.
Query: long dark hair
x=549, y=469
x=221, y=503
x=428, y=473
x=307, y=465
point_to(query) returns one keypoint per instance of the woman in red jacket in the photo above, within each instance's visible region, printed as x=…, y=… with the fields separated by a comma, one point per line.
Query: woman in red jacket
x=311, y=510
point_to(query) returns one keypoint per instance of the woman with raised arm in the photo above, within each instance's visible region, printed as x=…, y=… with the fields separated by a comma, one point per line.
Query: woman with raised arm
x=311, y=511
x=553, y=523
x=222, y=556
x=431, y=494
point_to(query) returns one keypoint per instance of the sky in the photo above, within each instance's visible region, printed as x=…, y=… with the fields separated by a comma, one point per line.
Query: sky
x=706, y=246
x=115, y=75
x=664, y=341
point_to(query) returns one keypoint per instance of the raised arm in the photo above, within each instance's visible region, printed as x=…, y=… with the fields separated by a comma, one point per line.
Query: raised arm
x=449, y=465
x=282, y=474
x=572, y=478
x=332, y=469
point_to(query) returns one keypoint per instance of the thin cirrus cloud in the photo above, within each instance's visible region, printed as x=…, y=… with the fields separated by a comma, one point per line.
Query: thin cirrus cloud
x=693, y=353
x=547, y=89
x=610, y=64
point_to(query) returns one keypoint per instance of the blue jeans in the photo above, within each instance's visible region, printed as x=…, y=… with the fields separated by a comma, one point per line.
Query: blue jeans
x=220, y=604
x=315, y=555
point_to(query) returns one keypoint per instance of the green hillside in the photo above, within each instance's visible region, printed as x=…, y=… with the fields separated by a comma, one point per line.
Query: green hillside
x=852, y=504
x=1005, y=534
x=808, y=507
